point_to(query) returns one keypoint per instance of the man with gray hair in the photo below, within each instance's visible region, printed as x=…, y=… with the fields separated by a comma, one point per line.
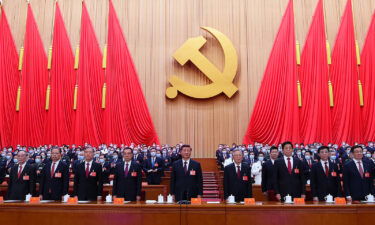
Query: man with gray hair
x=21, y=178
x=237, y=178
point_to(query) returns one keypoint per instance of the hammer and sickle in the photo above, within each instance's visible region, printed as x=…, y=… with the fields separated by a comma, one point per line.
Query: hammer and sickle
x=221, y=81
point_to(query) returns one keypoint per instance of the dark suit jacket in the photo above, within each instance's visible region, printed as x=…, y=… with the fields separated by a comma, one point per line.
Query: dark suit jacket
x=285, y=183
x=307, y=168
x=268, y=172
x=88, y=188
x=154, y=177
x=53, y=188
x=18, y=188
x=128, y=187
x=354, y=185
x=239, y=187
x=106, y=168
x=321, y=185
x=186, y=186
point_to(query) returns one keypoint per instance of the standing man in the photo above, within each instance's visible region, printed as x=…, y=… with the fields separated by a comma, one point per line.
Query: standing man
x=289, y=178
x=88, y=183
x=154, y=168
x=324, y=177
x=127, y=182
x=268, y=172
x=54, y=178
x=237, y=178
x=186, y=176
x=358, y=177
x=22, y=178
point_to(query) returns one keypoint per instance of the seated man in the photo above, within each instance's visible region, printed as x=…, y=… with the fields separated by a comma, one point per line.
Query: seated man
x=237, y=178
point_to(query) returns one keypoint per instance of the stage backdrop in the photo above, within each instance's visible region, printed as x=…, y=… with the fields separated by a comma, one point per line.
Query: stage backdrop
x=154, y=29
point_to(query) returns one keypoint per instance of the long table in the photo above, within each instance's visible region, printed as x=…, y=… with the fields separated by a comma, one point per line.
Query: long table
x=172, y=214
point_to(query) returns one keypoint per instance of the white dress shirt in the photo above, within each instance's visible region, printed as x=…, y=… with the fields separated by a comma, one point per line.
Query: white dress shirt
x=286, y=161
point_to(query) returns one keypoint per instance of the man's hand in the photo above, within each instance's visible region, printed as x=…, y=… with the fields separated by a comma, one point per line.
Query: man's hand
x=99, y=198
x=315, y=199
x=138, y=198
x=265, y=193
x=349, y=199
x=199, y=196
x=303, y=196
x=278, y=197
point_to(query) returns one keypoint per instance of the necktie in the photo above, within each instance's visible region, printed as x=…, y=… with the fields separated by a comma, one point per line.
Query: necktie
x=53, y=169
x=126, y=169
x=360, y=169
x=153, y=162
x=20, y=171
x=185, y=167
x=309, y=163
x=238, y=172
x=87, y=169
x=289, y=166
x=326, y=168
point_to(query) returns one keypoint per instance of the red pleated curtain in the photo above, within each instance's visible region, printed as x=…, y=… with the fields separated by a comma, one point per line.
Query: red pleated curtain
x=315, y=115
x=275, y=115
x=127, y=118
x=58, y=129
x=346, y=113
x=30, y=120
x=367, y=72
x=89, y=114
x=9, y=80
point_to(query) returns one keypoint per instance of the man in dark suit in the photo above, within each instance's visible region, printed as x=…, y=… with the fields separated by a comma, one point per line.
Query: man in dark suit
x=54, y=181
x=307, y=162
x=106, y=168
x=186, y=176
x=268, y=171
x=21, y=179
x=138, y=158
x=325, y=177
x=154, y=168
x=127, y=182
x=358, y=177
x=88, y=183
x=237, y=178
x=289, y=178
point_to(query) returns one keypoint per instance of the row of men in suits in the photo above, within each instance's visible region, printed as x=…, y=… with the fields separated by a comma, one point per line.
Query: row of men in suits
x=186, y=177
x=284, y=176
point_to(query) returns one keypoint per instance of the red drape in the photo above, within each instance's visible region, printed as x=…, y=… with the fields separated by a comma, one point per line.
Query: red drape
x=275, y=115
x=127, y=118
x=9, y=80
x=346, y=113
x=30, y=120
x=59, y=116
x=367, y=72
x=315, y=115
x=88, y=121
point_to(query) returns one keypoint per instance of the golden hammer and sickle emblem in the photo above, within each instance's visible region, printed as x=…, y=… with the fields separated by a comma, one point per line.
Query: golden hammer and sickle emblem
x=221, y=81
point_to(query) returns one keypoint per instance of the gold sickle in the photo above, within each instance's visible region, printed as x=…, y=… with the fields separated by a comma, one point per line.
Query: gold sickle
x=221, y=81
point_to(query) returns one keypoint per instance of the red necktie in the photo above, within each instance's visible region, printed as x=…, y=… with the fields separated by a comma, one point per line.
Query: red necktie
x=126, y=169
x=87, y=169
x=238, y=172
x=326, y=168
x=20, y=171
x=289, y=166
x=185, y=167
x=53, y=169
x=309, y=163
x=360, y=169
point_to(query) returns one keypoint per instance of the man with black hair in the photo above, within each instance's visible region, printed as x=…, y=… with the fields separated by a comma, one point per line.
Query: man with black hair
x=186, y=176
x=358, y=176
x=289, y=178
x=324, y=177
x=268, y=172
